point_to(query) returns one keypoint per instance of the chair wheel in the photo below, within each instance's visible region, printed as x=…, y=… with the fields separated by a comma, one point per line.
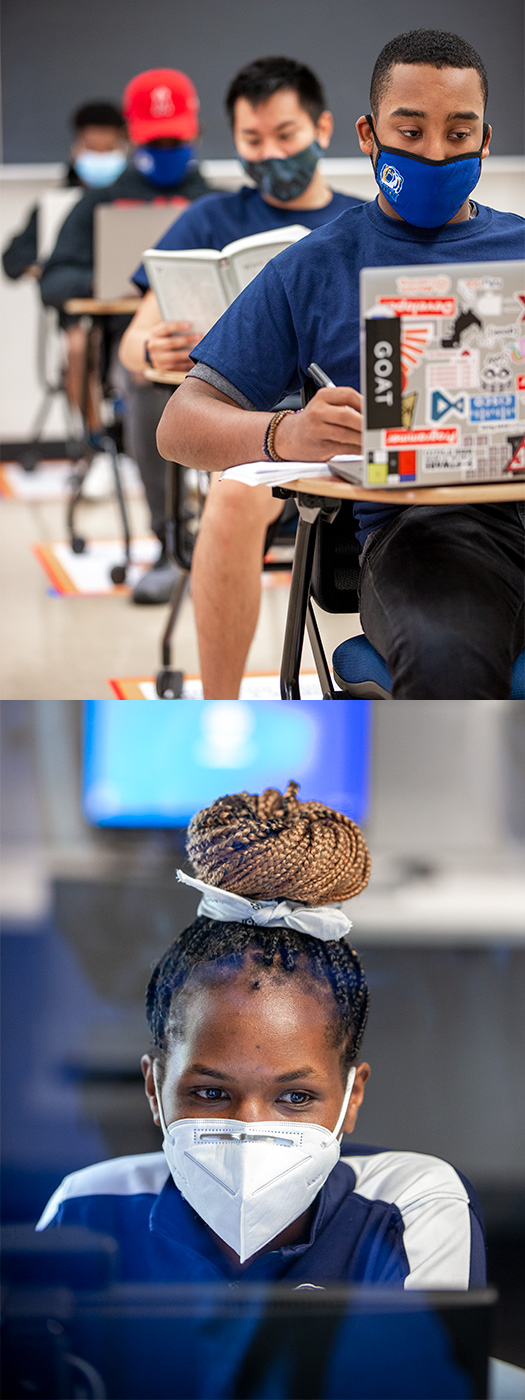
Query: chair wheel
x=29, y=455
x=169, y=685
x=78, y=545
x=118, y=573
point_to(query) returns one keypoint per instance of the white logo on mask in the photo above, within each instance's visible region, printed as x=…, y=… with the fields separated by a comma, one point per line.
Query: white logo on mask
x=391, y=179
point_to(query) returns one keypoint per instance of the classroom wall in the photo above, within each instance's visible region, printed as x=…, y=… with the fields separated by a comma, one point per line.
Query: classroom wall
x=61, y=52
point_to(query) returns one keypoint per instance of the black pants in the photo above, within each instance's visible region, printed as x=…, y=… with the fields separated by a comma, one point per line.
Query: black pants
x=145, y=406
x=442, y=600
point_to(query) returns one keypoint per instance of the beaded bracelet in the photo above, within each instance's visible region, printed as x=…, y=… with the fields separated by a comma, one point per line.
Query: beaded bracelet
x=269, y=436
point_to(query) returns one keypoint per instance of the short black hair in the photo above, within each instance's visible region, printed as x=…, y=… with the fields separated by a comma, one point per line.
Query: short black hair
x=259, y=80
x=334, y=966
x=436, y=47
x=97, y=114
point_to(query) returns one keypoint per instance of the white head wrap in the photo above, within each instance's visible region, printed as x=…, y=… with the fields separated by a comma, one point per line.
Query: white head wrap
x=325, y=921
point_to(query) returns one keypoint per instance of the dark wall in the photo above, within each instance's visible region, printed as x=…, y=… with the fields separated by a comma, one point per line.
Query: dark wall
x=59, y=53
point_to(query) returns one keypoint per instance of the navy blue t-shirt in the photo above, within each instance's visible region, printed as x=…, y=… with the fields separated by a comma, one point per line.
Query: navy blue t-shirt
x=304, y=305
x=218, y=219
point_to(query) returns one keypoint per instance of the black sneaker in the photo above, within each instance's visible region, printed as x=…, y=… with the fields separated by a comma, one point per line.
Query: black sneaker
x=157, y=584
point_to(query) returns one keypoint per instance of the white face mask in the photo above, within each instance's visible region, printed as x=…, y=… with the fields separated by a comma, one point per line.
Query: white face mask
x=249, y=1181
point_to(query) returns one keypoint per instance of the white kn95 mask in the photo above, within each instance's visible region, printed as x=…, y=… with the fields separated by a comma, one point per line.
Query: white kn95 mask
x=249, y=1181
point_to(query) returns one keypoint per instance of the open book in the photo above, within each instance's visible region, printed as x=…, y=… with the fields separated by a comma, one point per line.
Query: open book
x=199, y=284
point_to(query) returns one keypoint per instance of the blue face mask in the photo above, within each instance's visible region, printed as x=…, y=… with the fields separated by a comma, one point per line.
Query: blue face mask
x=287, y=178
x=426, y=193
x=163, y=165
x=99, y=168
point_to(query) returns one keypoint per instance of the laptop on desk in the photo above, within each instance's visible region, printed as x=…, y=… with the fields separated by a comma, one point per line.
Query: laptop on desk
x=443, y=373
x=121, y=233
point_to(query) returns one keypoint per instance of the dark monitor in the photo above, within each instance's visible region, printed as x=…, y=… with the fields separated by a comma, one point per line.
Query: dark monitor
x=241, y=1342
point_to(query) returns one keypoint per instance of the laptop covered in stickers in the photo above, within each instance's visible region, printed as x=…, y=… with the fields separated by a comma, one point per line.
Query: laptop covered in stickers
x=443, y=374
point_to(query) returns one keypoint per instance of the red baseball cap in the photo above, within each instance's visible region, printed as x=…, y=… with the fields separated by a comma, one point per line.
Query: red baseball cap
x=161, y=102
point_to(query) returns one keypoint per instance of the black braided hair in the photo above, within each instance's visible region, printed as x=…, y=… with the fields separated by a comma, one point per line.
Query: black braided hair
x=226, y=945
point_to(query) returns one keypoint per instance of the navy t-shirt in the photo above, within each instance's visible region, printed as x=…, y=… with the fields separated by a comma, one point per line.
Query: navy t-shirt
x=304, y=305
x=218, y=219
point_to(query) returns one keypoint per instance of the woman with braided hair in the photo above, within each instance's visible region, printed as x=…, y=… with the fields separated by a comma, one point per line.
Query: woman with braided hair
x=256, y=1014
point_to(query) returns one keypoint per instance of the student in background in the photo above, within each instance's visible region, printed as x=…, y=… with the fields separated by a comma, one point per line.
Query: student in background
x=441, y=586
x=98, y=155
x=161, y=108
x=281, y=126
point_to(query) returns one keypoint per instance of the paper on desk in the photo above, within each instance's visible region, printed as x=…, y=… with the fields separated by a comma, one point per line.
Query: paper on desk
x=275, y=474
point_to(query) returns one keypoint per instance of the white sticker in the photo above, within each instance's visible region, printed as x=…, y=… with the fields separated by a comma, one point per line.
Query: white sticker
x=453, y=459
x=453, y=370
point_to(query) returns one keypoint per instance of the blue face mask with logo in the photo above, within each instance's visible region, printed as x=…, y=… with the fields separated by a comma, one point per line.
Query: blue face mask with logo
x=285, y=178
x=164, y=166
x=426, y=193
x=99, y=168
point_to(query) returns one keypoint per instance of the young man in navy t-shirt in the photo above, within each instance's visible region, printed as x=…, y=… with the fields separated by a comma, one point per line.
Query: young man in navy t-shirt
x=280, y=123
x=441, y=587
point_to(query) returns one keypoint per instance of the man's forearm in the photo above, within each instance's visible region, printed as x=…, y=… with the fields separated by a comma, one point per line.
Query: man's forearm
x=202, y=428
x=132, y=348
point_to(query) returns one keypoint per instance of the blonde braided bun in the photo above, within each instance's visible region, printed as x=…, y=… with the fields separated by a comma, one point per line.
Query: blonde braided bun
x=272, y=846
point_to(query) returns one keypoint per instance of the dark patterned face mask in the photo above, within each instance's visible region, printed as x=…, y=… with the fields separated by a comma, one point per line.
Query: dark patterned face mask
x=287, y=178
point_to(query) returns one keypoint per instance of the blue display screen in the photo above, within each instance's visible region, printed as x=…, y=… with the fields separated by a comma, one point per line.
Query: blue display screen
x=155, y=765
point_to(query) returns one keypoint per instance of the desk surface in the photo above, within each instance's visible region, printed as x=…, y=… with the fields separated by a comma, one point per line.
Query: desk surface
x=405, y=496
x=166, y=376
x=93, y=306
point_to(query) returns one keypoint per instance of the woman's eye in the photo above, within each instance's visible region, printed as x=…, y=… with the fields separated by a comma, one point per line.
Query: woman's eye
x=296, y=1097
x=211, y=1095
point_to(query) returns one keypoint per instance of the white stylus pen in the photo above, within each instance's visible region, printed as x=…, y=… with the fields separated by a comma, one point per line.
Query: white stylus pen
x=319, y=376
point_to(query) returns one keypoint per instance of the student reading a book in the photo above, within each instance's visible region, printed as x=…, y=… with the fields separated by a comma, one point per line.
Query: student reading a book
x=280, y=125
x=256, y=1014
x=441, y=587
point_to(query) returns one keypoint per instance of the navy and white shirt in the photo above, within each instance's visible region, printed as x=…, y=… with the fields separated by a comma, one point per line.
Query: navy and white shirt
x=304, y=307
x=218, y=219
x=400, y=1219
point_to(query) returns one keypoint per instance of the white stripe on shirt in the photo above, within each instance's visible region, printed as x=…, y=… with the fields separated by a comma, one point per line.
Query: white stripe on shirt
x=434, y=1206
x=145, y=1173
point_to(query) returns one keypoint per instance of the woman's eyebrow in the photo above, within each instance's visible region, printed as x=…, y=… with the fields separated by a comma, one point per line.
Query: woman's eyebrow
x=212, y=1073
x=294, y=1074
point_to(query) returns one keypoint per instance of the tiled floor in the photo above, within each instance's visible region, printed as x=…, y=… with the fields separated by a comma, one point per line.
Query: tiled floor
x=67, y=647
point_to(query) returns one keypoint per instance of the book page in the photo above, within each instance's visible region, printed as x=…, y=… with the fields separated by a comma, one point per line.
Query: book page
x=188, y=288
x=246, y=257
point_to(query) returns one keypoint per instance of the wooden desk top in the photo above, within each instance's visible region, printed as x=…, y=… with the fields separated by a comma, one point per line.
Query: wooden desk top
x=93, y=306
x=405, y=496
x=166, y=376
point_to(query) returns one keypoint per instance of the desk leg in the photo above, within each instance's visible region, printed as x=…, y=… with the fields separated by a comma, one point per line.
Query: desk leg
x=298, y=600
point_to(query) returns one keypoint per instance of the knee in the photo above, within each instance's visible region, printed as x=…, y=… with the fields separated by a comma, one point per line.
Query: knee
x=233, y=507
